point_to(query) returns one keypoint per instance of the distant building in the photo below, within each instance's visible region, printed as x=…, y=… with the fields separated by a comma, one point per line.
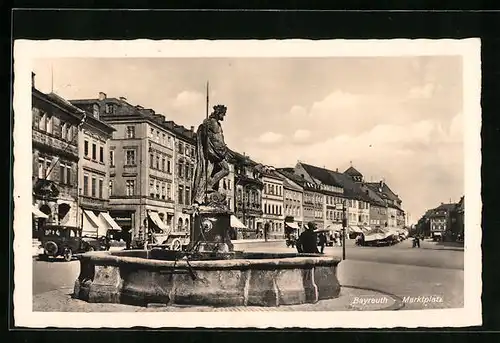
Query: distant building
x=395, y=214
x=55, y=125
x=273, y=202
x=292, y=203
x=248, y=187
x=441, y=220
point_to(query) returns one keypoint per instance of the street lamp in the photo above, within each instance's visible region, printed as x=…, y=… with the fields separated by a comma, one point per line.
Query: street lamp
x=343, y=207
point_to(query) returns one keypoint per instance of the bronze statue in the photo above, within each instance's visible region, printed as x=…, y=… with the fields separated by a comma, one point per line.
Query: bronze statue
x=212, y=156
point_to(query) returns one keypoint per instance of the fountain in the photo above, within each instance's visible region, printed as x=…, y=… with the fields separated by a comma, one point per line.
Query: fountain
x=210, y=272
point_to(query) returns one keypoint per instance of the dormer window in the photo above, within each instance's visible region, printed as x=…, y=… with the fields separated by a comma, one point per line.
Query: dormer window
x=95, y=111
x=110, y=108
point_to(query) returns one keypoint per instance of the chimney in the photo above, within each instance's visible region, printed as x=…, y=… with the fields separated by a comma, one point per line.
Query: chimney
x=336, y=170
x=381, y=183
x=139, y=107
x=192, y=128
x=122, y=98
x=102, y=96
x=33, y=80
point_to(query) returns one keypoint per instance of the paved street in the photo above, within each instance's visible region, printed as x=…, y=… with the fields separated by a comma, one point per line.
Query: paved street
x=433, y=270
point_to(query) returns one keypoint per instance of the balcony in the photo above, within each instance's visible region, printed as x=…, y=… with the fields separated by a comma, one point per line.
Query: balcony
x=48, y=142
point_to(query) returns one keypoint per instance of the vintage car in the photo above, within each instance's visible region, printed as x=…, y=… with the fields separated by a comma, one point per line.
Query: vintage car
x=171, y=241
x=61, y=240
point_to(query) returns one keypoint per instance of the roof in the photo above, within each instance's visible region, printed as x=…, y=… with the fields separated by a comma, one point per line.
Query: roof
x=352, y=172
x=385, y=190
x=288, y=173
x=321, y=174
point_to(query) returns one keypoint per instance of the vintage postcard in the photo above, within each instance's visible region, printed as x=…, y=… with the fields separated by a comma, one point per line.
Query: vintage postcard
x=241, y=184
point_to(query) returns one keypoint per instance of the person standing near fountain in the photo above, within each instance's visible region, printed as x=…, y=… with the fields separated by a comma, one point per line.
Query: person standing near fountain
x=308, y=240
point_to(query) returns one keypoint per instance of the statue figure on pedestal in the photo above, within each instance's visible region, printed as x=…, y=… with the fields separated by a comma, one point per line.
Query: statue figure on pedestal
x=212, y=156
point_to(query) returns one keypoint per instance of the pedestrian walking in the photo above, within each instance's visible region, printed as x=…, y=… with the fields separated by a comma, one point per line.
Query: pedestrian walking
x=322, y=242
x=266, y=230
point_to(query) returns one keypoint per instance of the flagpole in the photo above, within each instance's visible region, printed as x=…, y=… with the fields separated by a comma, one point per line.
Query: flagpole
x=206, y=145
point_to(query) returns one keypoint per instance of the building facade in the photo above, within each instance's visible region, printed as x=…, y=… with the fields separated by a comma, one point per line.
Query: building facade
x=55, y=125
x=248, y=187
x=94, y=174
x=141, y=158
x=272, y=203
x=292, y=204
x=185, y=162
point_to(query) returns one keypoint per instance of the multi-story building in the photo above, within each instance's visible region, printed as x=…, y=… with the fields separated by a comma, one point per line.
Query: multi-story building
x=292, y=203
x=314, y=197
x=272, y=202
x=248, y=187
x=141, y=158
x=185, y=161
x=395, y=215
x=378, y=209
x=354, y=182
x=93, y=174
x=55, y=160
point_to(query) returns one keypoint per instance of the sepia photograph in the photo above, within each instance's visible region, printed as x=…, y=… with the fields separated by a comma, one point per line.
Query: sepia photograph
x=307, y=184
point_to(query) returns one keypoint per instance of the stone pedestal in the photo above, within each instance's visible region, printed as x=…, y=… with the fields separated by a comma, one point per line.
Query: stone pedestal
x=211, y=230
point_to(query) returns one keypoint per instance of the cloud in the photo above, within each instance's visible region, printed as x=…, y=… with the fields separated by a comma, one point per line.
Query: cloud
x=187, y=99
x=422, y=92
x=301, y=135
x=270, y=138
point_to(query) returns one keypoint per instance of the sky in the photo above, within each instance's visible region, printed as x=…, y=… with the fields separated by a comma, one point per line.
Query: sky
x=394, y=118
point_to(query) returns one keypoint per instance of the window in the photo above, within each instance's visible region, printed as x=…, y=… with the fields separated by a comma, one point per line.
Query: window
x=163, y=163
x=86, y=148
x=95, y=111
x=85, y=185
x=94, y=187
x=163, y=139
x=49, y=124
x=101, y=188
x=151, y=160
x=130, y=187
x=111, y=158
x=152, y=188
x=43, y=121
x=181, y=195
x=157, y=136
x=169, y=168
x=41, y=168
x=63, y=131
x=157, y=190
x=69, y=132
x=152, y=133
x=101, y=154
x=158, y=162
x=130, y=157
x=169, y=191
x=187, y=172
x=110, y=108
x=181, y=148
x=163, y=190
x=62, y=173
x=130, y=131
x=169, y=140
x=187, y=196
x=94, y=152
x=181, y=169
x=110, y=188
x=48, y=170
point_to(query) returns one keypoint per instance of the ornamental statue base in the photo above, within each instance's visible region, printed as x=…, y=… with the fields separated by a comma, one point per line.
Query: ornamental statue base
x=210, y=231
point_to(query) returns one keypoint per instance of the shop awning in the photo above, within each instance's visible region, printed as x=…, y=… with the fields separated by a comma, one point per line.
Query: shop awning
x=37, y=213
x=355, y=229
x=110, y=221
x=92, y=225
x=292, y=225
x=156, y=219
x=366, y=228
x=236, y=223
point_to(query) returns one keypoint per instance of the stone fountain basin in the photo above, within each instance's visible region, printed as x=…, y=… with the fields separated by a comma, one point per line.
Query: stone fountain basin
x=141, y=277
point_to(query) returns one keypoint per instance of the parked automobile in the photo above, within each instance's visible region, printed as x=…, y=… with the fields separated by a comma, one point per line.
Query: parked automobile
x=61, y=240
